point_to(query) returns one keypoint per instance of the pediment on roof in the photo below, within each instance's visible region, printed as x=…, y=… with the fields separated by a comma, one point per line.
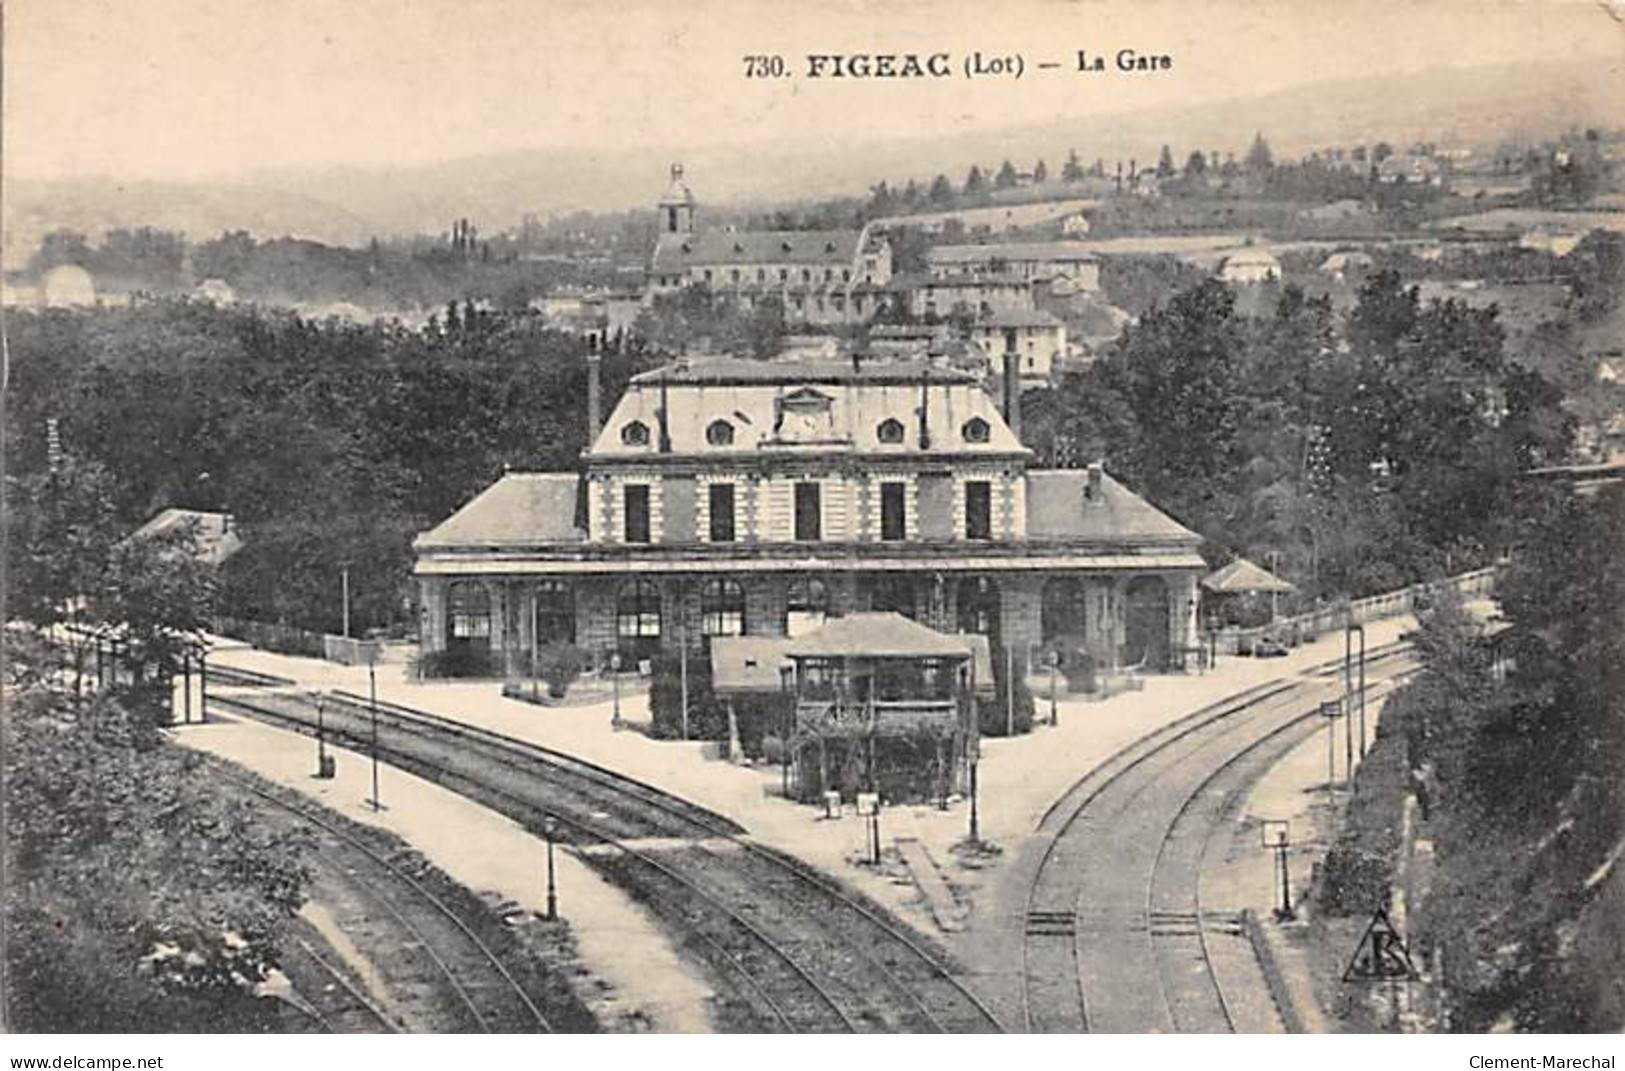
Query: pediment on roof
x=807, y=398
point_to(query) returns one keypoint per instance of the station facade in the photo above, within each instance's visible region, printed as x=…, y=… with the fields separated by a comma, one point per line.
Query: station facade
x=728, y=497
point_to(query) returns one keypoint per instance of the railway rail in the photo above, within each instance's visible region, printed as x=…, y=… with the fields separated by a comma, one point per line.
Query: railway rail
x=796, y=951
x=1128, y=947
x=437, y=945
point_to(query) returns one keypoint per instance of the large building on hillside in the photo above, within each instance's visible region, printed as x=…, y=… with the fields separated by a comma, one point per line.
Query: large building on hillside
x=726, y=497
x=820, y=277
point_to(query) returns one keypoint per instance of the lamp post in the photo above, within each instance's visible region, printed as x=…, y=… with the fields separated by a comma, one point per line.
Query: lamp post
x=550, y=827
x=344, y=586
x=975, y=831
x=615, y=683
x=1276, y=837
x=372, y=703
x=1348, y=632
x=321, y=737
x=1054, y=710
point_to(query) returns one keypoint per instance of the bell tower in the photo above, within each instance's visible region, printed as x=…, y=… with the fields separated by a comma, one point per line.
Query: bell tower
x=677, y=205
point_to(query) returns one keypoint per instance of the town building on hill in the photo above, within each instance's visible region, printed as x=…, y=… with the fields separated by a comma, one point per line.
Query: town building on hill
x=976, y=293
x=1250, y=266
x=1033, y=262
x=728, y=497
x=1035, y=337
x=824, y=277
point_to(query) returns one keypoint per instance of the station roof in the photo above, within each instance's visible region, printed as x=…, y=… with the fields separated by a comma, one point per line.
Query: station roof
x=748, y=663
x=521, y=508
x=1058, y=508
x=720, y=370
x=215, y=537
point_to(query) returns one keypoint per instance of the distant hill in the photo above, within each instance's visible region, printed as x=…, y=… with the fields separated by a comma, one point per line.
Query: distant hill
x=348, y=205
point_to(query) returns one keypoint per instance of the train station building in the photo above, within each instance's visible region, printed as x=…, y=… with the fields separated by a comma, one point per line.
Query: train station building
x=729, y=497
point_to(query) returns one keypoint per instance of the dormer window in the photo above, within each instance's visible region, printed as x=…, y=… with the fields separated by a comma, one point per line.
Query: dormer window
x=976, y=430
x=890, y=431
x=635, y=434
x=719, y=433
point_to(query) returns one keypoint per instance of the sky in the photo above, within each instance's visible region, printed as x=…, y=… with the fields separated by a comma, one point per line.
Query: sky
x=195, y=89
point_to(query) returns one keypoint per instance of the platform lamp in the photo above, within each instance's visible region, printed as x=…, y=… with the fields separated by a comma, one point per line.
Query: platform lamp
x=1054, y=710
x=615, y=683
x=550, y=828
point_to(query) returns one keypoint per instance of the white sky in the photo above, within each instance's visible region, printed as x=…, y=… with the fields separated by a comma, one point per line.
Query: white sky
x=175, y=89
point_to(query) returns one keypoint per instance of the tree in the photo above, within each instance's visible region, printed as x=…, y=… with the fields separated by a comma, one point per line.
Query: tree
x=975, y=183
x=1195, y=164
x=1259, y=158
x=1006, y=178
x=942, y=191
x=1073, y=170
x=140, y=895
x=1040, y=173
x=1165, y=163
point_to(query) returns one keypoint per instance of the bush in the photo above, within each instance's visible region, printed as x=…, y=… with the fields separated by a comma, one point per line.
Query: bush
x=559, y=664
x=707, y=719
x=459, y=661
x=994, y=713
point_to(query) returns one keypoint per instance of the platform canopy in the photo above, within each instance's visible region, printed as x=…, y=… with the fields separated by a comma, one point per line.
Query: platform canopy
x=1242, y=577
x=877, y=635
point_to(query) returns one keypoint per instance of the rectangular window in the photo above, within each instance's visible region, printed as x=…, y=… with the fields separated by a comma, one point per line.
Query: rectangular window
x=809, y=513
x=722, y=513
x=978, y=510
x=637, y=513
x=893, y=511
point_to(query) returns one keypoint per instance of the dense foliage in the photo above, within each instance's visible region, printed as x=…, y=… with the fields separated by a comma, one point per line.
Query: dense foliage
x=331, y=444
x=1525, y=775
x=1364, y=451
x=136, y=894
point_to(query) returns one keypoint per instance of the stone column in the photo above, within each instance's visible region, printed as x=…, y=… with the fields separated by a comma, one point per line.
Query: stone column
x=431, y=614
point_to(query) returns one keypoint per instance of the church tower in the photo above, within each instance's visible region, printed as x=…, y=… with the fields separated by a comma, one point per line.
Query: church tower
x=677, y=206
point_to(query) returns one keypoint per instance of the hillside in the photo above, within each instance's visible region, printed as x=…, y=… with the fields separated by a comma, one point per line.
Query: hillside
x=350, y=204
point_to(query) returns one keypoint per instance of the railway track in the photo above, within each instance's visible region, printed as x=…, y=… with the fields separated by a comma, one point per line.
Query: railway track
x=455, y=981
x=794, y=950
x=1128, y=946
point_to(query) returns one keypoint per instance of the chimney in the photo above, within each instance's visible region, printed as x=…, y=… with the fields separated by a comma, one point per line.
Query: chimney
x=1012, y=392
x=665, y=423
x=1092, y=494
x=925, y=403
x=595, y=397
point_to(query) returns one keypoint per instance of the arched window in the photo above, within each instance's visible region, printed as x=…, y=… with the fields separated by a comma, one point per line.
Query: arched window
x=722, y=608
x=555, y=620
x=890, y=430
x=637, y=618
x=978, y=603
x=896, y=593
x=976, y=430
x=468, y=615
x=805, y=605
x=635, y=434
x=719, y=433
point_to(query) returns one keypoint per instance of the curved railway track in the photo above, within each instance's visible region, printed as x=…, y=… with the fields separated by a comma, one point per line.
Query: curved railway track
x=801, y=954
x=488, y=998
x=1128, y=947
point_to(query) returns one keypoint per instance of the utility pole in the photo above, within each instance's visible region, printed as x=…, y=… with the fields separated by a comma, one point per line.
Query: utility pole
x=682, y=627
x=344, y=586
x=372, y=702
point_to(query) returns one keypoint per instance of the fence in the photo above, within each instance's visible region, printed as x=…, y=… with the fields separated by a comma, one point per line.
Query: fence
x=1301, y=628
x=283, y=639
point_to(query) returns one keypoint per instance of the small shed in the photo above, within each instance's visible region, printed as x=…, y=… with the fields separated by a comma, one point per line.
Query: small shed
x=882, y=704
x=1240, y=580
